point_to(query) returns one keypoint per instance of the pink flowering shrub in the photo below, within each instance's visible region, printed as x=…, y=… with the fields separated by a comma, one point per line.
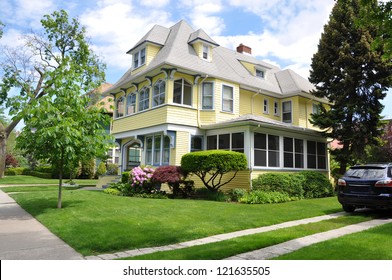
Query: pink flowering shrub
x=140, y=180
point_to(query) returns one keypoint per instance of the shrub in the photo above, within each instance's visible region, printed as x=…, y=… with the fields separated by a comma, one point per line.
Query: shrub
x=316, y=185
x=112, y=191
x=264, y=197
x=211, y=166
x=235, y=194
x=9, y=172
x=101, y=169
x=174, y=177
x=203, y=193
x=112, y=169
x=15, y=171
x=125, y=177
x=37, y=174
x=290, y=184
x=87, y=170
x=10, y=160
x=44, y=169
x=141, y=182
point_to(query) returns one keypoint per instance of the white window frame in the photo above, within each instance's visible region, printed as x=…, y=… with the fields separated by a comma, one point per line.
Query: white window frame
x=139, y=58
x=265, y=106
x=130, y=96
x=276, y=108
x=203, y=96
x=150, y=154
x=120, y=109
x=158, y=94
x=287, y=112
x=142, y=101
x=260, y=73
x=227, y=99
x=205, y=51
x=182, y=91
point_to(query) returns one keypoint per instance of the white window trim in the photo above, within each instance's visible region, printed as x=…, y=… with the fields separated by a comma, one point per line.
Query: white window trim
x=134, y=93
x=208, y=52
x=138, y=54
x=291, y=111
x=202, y=95
x=259, y=69
x=183, y=80
x=123, y=109
x=232, y=99
x=276, y=109
x=159, y=93
x=265, y=106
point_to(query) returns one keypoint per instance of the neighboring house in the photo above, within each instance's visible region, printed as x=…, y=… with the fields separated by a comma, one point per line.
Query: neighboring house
x=186, y=93
x=98, y=99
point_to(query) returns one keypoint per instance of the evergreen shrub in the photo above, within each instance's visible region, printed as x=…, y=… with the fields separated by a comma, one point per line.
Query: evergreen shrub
x=290, y=184
x=316, y=185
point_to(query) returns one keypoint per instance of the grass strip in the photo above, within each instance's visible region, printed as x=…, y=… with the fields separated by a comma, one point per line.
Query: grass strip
x=95, y=223
x=24, y=180
x=371, y=244
x=227, y=248
x=36, y=188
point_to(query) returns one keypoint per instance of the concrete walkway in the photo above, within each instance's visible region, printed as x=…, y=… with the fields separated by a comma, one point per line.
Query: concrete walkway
x=24, y=238
x=295, y=244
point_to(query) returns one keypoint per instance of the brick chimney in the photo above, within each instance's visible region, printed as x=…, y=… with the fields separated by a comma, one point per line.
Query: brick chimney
x=244, y=49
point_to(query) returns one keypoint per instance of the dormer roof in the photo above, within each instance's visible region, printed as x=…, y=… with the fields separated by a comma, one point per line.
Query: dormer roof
x=202, y=36
x=157, y=35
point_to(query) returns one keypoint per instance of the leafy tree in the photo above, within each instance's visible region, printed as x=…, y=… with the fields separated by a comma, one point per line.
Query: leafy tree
x=42, y=65
x=211, y=166
x=352, y=75
x=1, y=29
x=63, y=130
x=382, y=18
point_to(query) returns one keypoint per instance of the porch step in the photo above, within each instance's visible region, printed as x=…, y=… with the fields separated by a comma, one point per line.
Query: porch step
x=105, y=180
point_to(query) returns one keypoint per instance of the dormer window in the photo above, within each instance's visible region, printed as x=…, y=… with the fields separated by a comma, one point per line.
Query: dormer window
x=139, y=58
x=260, y=73
x=206, y=51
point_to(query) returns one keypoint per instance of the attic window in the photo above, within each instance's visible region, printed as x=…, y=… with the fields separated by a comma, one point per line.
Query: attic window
x=139, y=58
x=206, y=52
x=260, y=73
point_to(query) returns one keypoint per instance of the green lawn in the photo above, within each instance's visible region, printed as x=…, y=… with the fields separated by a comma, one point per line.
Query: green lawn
x=94, y=223
x=24, y=179
x=228, y=248
x=372, y=244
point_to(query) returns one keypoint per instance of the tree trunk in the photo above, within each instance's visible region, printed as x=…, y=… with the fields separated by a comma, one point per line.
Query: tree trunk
x=4, y=133
x=3, y=150
x=60, y=185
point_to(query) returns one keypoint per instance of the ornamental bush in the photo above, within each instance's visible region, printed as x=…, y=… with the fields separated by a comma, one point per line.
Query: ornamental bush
x=174, y=177
x=210, y=166
x=101, y=169
x=316, y=185
x=264, y=197
x=290, y=184
x=141, y=182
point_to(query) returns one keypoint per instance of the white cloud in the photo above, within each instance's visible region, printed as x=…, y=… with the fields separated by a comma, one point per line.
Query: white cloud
x=116, y=25
x=155, y=3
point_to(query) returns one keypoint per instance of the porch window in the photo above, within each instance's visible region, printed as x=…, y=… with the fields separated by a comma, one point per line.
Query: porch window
x=237, y=142
x=317, y=158
x=144, y=99
x=182, y=93
x=293, y=153
x=212, y=142
x=158, y=96
x=229, y=141
x=267, y=150
x=157, y=150
x=196, y=143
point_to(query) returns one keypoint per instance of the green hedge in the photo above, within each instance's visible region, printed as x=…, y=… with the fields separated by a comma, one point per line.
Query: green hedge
x=304, y=184
x=38, y=174
x=14, y=171
x=290, y=184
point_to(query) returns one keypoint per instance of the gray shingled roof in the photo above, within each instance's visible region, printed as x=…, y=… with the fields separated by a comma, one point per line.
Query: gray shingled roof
x=157, y=35
x=201, y=35
x=178, y=53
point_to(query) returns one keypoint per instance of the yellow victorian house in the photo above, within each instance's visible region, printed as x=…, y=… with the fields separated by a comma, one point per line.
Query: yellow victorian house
x=185, y=93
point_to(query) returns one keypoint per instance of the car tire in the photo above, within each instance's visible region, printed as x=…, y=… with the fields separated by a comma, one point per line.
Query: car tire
x=348, y=208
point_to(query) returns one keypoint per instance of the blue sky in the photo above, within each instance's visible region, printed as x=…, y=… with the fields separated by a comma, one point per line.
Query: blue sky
x=282, y=32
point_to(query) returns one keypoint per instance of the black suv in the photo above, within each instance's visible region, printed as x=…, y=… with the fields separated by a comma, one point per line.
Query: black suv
x=368, y=185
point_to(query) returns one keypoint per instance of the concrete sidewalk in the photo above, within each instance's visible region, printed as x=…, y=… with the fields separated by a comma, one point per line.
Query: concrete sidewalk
x=22, y=237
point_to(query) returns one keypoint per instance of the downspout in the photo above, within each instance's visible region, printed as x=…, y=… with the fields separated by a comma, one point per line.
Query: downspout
x=198, y=100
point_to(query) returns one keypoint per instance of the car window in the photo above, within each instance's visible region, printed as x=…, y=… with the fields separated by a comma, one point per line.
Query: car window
x=368, y=173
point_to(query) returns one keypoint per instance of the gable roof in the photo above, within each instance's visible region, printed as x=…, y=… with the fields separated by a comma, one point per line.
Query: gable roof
x=177, y=52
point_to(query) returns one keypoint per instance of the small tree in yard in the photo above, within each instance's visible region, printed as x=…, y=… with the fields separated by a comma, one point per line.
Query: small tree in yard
x=211, y=166
x=64, y=131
